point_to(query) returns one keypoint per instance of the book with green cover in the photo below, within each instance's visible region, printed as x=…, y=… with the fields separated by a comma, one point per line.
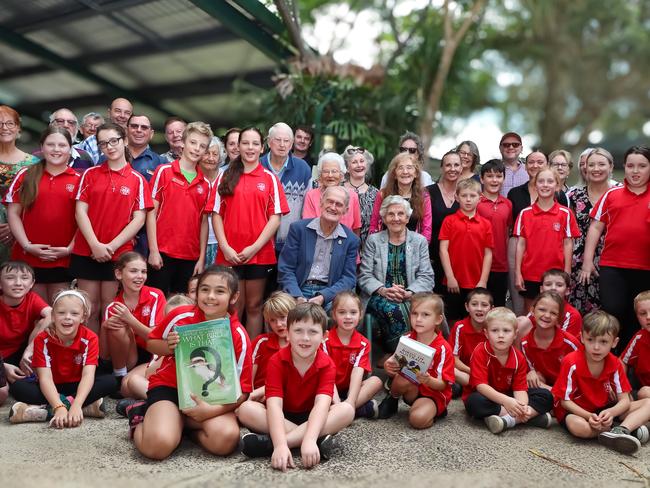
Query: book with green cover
x=206, y=364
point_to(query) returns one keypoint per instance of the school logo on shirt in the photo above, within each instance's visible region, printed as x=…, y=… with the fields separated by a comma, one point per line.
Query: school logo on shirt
x=125, y=190
x=69, y=187
x=146, y=310
x=353, y=357
x=199, y=190
x=261, y=186
x=556, y=227
x=78, y=358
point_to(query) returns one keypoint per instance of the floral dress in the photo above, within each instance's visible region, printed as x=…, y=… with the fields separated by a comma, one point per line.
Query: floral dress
x=392, y=317
x=366, y=203
x=583, y=297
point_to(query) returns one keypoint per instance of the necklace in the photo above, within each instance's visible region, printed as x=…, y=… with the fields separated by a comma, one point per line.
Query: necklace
x=110, y=176
x=447, y=196
x=356, y=188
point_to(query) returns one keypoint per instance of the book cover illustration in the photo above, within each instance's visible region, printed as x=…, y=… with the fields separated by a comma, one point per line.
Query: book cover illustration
x=206, y=364
x=413, y=357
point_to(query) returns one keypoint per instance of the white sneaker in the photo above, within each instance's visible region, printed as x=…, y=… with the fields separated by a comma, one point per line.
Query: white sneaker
x=495, y=424
x=22, y=412
x=642, y=434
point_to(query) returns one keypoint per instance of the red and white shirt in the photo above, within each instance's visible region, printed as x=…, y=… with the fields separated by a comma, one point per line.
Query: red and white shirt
x=50, y=219
x=191, y=314
x=626, y=216
x=17, y=323
x=464, y=338
x=299, y=392
x=486, y=369
x=547, y=361
x=576, y=383
x=258, y=195
x=180, y=210
x=637, y=356
x=499, y=214
x=346, y=357
x=544, y=231
x=149, y=311
x=442, y=368
x=264, y=346
x=572, y=322
x=66, y=362
x=112, y=197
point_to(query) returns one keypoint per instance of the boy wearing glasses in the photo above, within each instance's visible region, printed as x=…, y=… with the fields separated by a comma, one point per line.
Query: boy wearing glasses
x=510, y=147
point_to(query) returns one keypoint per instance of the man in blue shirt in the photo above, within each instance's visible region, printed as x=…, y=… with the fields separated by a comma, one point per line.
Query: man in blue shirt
x=139, y=134
x=118, y=113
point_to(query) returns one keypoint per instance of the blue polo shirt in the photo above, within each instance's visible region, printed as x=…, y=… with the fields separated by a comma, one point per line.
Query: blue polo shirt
x=147, y=162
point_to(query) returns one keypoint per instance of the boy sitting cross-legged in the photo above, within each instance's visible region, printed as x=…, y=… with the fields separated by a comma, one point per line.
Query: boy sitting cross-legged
x=299, y=388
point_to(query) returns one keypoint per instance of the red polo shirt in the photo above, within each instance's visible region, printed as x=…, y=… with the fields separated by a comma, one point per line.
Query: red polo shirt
x=112, y=197
x=637, y=356
x=547, y=361
x=258, y=195
x=180, y=210
x=576, y=383
x=264, y=346
x=468, y=238
x=346, y=357
x=486, y=369
x=165, y=375
x=544, y=231
x=50, y=219
x=464, y=338
x=299, y=392
x=499, y=214
x=66, y=362
x=16, y=323
x=572, y=320
x=149, y=311
x=627, y=234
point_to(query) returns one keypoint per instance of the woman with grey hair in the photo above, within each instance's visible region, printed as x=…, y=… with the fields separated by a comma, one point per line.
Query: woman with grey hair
x=395, y=264
x=212, y=165
x=470, y=159
x=358, y=161
x=411, y=143
x=331, y=172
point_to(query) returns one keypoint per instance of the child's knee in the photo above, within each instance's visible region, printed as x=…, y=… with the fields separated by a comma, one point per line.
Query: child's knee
x=422, y=418
x=157, y=444
x=579, y=427
x=221, y=440
x=644, y=392
x=248, y=411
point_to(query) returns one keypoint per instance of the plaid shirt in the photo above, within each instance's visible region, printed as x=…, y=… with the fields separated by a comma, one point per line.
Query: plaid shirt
x=514, y=178
x=90, y=146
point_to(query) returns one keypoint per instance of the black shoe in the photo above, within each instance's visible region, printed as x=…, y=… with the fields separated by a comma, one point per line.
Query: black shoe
x=123, y=404
x=325, y=444
x=367, y=411
x=388, y=407
x=456, y=390
x=256, y=445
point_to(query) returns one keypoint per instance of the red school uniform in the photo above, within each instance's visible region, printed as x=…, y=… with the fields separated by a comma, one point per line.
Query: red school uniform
x=264, y=347
x=346, y=357
x=299, y=392
x=627, y=235
x=258, y=195
x=191, y=314
x=464, y=338
x=576, y=383
x=180, y=211
x=16, y=323
x=149, y=311
x=487, y=369
x=572, y=322
x=544, y=231
x=499, y=214
x=468, y=238
x=547, y=361
x=112, y=197
x=50, y=219
x=66, y=362
x=637, y=356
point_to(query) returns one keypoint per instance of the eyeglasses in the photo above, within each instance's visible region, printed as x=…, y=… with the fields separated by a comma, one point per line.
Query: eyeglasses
x=90, y=126
x=559, y=165
x=408, y=168
x=111, y=142
x=65, y=121
x=511, y=144
x=9, y=124
x=411, y=150
x=465, y=154
x=139, y=126
x=330, y=172
x=356, y=150
x=278, y=140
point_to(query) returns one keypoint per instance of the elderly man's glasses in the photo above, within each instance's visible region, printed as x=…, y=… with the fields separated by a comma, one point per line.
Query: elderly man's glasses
x=356, y=150
x=111, y=142
x=511, y=144
x=139, y=126
x=410, y=150
x=65, y=121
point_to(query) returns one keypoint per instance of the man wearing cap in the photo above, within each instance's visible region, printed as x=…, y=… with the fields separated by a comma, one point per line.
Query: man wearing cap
x=510, y=147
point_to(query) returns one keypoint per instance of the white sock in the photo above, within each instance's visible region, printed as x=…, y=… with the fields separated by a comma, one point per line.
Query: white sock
x=120, y=372
x=510, y=420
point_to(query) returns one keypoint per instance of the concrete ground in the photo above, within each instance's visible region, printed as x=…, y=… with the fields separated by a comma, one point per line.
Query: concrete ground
x=455, y=452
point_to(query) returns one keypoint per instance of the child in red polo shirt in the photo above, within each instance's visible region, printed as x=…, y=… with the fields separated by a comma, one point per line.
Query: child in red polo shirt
x=177, y=228
x=276, y=309
x=547, y=343
x=497, y=391
x=159, y=431
x=40, y=208
x=130, y=317
x=592, y=390
x=468, y=333
x=111, y=205
x=350, y=352
x=299, y=389
x=545, y=232
x=636, y=356
x=498, y=210
x=465, y=248
x=430, y=397
x=65, y=359
x=23, y=314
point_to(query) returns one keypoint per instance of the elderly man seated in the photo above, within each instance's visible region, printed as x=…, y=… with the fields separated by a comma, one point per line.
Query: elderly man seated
x=318, y=259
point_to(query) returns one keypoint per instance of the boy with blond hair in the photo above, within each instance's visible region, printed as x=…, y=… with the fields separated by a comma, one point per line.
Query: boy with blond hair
x=636, y=357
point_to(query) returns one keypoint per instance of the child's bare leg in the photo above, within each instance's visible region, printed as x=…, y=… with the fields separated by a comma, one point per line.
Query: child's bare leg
x=422, y=413
x=401, y=387
x=462, y=378
x=644, y=392
x=579, y=427
x=93, y=288
x=369, y=388
x=160, y=432
x=339, y=416
x=637, y=415
x=252, y=414
x=219, y=435
x=4, y=393
x=134, y=384
x=121, y=348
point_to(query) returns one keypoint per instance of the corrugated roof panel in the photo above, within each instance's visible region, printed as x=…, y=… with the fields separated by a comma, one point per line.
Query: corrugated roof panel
x=169, y=18
x=11, y=58
x=49, y=86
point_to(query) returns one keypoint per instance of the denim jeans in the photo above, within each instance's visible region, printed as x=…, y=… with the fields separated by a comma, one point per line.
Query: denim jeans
x=309, y=291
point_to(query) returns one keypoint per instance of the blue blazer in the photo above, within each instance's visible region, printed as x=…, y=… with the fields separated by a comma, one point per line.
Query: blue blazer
x=297, y=257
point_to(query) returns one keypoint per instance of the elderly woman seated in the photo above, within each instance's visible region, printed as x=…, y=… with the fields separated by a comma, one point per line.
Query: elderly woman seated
x=395, y=264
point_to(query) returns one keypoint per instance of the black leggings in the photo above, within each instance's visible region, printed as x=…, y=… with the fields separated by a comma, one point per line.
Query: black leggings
x=479, y=407
x=29, y=392
x=498, y=286
x=173, y=276
x=618, y=287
